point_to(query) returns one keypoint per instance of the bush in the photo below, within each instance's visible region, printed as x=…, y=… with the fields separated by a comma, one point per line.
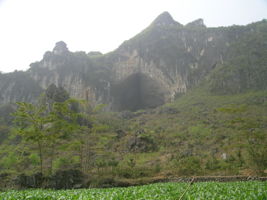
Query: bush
x=106, y=182
x=213, y=164
x=67, y=179
x=188, y=166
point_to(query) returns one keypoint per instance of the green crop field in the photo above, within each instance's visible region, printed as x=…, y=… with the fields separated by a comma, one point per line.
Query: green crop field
x=161, y=191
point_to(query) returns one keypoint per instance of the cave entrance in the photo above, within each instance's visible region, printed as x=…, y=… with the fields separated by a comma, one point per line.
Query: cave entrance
x=136, y=92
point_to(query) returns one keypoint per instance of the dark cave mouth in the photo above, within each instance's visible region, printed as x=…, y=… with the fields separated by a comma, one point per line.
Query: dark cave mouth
x=136, y=92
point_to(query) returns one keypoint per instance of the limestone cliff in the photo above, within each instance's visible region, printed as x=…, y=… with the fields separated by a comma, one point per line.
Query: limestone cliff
x=162, y=62
x=18, y=86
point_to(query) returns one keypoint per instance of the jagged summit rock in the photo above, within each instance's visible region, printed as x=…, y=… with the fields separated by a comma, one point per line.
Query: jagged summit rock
x=155, y=67
x=94, y=53
x=60, y=48
x=165, y=19
x=196, y=23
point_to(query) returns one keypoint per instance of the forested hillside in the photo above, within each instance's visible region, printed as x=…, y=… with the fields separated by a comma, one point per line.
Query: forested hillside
x=175, y=100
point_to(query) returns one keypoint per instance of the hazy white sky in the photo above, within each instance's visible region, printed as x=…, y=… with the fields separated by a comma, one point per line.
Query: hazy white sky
x=28, y=28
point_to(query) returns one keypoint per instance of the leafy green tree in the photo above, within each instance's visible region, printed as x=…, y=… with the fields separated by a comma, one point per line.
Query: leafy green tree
x=56, y=94
x=69, y=119
x=47, y=126
x=55, y=118
x=31, y=121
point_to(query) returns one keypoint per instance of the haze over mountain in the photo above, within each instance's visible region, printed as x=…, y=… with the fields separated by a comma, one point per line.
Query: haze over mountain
x=179, y=100
x=87, y=25
x=162, y=62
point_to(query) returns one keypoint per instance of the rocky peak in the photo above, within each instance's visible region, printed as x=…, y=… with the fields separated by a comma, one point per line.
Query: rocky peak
x=155, y=67
x=60, y=48
x=164, y=19
x=197, y=23
x=94, y=53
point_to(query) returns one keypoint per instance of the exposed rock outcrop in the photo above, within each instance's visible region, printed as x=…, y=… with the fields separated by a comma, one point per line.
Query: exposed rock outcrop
x=154, y=67
x=199, y=23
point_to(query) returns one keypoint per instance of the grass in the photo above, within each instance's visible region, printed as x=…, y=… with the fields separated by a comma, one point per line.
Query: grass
x=196, y=128
x=160, y=191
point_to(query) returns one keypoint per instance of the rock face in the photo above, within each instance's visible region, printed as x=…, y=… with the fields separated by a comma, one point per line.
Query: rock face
x=196, y=23
x=60, y=48
x=154, y=67
x=165, y=19
x=18, y=86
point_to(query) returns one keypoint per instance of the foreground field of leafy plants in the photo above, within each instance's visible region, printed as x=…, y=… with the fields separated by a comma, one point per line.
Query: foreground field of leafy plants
x=160, y=191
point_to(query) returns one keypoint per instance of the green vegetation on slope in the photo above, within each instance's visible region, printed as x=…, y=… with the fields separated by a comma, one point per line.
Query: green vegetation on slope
x=198, y=134
x=196, y=137
x=218, y=128
x=245, y=67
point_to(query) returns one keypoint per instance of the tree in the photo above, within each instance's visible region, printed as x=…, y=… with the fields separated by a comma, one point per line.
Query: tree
x=65, y=118
x=54, y=97
x=45, y=126
x=56, y=94
x=31, y=123
x=55, y=118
